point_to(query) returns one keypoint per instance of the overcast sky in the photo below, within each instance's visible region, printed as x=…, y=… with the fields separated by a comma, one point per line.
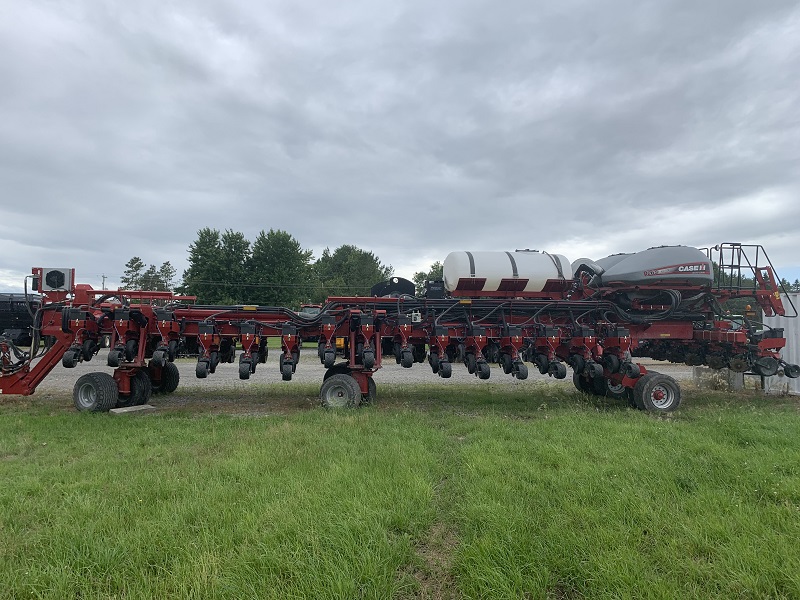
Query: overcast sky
x=410, y=129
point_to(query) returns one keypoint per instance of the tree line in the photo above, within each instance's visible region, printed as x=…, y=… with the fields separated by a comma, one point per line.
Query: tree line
x=226, y=268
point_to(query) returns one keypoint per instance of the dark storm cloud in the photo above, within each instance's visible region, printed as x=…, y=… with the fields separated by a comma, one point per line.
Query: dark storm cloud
x=409, y=129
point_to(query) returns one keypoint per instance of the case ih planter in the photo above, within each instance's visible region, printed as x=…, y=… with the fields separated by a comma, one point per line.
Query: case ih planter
x=511, y=308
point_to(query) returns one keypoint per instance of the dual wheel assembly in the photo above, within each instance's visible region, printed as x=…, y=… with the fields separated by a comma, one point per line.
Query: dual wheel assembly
x=653, y=392
x=98, y=392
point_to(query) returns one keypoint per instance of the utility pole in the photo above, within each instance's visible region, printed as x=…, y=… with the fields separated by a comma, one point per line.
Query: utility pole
x=104, y=280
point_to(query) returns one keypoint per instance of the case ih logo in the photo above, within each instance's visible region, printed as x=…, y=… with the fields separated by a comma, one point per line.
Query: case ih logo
x=678, y=269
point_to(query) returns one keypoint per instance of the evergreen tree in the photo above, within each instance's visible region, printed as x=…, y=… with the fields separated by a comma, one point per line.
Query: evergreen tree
x=348, y=271
x=279, y=270
x=132, y=277
x=205, y=275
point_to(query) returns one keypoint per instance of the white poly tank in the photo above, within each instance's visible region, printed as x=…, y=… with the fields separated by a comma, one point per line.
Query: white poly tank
x=503, y=271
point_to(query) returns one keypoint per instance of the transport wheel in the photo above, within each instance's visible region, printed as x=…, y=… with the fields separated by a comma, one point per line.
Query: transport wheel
x=445, y=369
x=483, y=370
x=657, y=393
x=201, y=370
x=577, y=381
x=619, y=392
x=141, y=388
x=95, y=392
x=406, y=359
x=170, y=376
x=521, y=371
x=340, y=391
x=244, y=369
x=370, y=396
x=340, y=369
x=368, y=359
x=471, y=362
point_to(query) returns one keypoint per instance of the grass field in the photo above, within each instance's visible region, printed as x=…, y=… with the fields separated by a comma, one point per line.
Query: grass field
x=434, y=492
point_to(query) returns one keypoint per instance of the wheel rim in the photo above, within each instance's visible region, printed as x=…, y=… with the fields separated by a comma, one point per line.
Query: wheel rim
x=662, y=396
x=87, y=395
x=615, y=388
x=337, y=396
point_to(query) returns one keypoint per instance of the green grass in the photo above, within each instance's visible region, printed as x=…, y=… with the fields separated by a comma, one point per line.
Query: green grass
x=437, y=491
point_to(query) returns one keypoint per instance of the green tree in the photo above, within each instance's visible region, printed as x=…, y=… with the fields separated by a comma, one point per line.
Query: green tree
x=205, y=274
x=432, y=274
x=167, y=275
x=348, y=271
x=151, y=280
x=132, y=277
x=280, y=270
x=234, y=259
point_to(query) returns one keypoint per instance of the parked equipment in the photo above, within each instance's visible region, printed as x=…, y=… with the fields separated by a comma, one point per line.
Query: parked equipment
x=512, y=309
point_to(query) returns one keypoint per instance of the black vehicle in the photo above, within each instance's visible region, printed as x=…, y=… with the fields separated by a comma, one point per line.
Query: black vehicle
x=16, y=316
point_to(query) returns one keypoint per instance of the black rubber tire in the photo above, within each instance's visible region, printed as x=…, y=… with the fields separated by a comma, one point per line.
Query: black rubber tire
x=340, y=369
x=433, y=361
x=340, y=391
x=557, y=369
x=95, y=392
x=172, y=350
x=445, y=369
x=159, y=358
x=368, y=359
x=483, y=370
x=406, y=359
x=114, y=358
x=287, y=369
x=170, y=377
x=89, y=349
x=471, y=363
x=419, y=353
x=521, y=371
x=506, y=362
x=70, y=359
x=657, y=393
x=213, y=361
x=131, y=350
x=370, y=396
x=580, y=383
x=201, y=370
x=244, y=369
x=791, y=371
x=330, y=358
x=141, y=388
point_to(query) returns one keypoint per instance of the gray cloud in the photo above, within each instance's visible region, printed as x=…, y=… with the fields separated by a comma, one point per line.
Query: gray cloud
x=409, y=129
